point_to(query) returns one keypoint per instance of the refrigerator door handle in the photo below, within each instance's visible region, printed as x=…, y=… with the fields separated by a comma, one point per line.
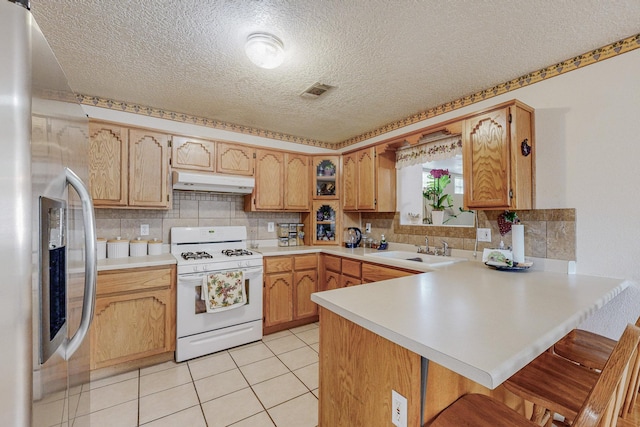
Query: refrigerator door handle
x=91, y=271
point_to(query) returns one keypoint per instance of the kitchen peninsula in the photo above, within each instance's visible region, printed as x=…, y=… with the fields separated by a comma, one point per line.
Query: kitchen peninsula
x=435, y=336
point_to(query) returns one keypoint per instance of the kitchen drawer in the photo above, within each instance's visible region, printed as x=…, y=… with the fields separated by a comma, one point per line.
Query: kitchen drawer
x=279, y=264
x=332, y=263
x=135, y=279
x=375, y=273
x=351, y=267
x=305, y=262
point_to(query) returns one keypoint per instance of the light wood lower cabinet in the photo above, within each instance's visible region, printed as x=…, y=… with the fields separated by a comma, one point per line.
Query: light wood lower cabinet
x=289, y=282
x=338, y=272
x=376, y=272
x=135, y=315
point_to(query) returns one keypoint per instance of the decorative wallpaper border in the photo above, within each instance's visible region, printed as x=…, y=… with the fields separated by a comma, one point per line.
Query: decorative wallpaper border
x=609, y=51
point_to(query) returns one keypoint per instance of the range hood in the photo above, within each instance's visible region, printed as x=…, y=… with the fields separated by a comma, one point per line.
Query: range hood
x=214, y=183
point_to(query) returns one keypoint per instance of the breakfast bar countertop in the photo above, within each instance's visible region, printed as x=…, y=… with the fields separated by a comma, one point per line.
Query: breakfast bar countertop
x=480, y=323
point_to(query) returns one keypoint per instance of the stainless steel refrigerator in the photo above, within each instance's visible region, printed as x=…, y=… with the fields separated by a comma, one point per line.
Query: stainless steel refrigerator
x=47, y=231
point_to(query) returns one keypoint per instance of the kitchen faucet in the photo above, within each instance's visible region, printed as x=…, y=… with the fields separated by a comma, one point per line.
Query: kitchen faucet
x=426, y=246
x=444, y=251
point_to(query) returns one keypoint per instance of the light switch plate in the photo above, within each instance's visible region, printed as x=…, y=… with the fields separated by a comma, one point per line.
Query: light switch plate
x=144, y=229
x=367, y=227
x=271, y=227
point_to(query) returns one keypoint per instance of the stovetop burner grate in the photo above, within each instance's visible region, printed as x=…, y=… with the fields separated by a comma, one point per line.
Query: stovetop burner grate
x=236, y=252
x=196, y=255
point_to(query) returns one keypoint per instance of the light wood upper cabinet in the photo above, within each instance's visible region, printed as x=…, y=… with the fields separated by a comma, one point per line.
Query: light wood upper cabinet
x=350, y=182
x=369, y=180
x=269, y=191
x=235, y=159
x=282, y=182
x=498, y=158
x=128, y=167
x=148, y=169
x=108, y=164
x=326, y=177
x=193, y=154
x=297, y=182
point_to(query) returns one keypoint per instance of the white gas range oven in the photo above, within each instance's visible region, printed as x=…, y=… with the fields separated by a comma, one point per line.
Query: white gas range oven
x=206, y=254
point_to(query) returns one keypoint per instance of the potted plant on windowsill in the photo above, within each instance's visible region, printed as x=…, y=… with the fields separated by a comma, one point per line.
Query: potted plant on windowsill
x=433, y=192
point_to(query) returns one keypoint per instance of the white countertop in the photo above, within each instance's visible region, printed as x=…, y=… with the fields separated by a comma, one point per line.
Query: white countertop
x=481, y=323
x=135, y=262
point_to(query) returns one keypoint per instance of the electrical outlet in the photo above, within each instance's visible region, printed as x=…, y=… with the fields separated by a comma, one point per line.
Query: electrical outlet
x=367, y=227
x=484, y=234
x=144, y=230
x=271, y=227
x=398, y=409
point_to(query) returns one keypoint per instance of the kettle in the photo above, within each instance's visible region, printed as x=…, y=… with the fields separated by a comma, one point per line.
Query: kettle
x=353, y=237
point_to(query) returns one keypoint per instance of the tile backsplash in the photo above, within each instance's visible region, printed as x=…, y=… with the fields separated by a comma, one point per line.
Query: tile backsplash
x=549, y=233
x=190, y=209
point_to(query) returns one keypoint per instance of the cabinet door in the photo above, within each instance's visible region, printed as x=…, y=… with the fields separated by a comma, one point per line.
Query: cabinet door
x=108, y=164
x=385, y=184
x=346, y=280
x=350, y=182
x=278, y=298
x=325, y=219
x=486, y=160
x=326, y=182
x=193, y=154
x=297, y=178
x=131, y=326
x=306, y=283
x=269, y=191
x=148, y=169
x=331, y=280
x=234, y=159
x=366, y=179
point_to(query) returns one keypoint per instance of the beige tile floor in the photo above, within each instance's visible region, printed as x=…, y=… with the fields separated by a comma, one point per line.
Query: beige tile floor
x=273, y=382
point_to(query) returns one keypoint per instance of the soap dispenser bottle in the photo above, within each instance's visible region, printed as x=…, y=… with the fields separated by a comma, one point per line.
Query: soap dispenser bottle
x=383, y=243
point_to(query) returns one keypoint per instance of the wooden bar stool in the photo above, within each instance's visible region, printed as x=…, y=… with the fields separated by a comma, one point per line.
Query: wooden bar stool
x=592, y=350
x=601, y=403
x=562, y=386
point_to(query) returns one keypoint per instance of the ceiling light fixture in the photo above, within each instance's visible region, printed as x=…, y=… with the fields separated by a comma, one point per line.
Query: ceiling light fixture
x=265, y=50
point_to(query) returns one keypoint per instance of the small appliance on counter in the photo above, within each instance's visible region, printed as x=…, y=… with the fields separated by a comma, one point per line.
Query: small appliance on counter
x=353, y=237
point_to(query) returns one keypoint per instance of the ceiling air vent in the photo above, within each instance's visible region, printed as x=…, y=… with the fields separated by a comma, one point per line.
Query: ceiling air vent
x=315, y=90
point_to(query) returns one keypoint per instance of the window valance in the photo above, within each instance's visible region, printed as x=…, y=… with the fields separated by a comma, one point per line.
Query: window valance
x=431, y=147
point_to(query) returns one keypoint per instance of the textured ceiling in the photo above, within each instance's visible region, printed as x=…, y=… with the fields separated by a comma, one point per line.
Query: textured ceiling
x=387, y=59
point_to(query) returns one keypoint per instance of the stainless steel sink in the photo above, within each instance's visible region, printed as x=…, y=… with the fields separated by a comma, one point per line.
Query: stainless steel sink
x=429, y=260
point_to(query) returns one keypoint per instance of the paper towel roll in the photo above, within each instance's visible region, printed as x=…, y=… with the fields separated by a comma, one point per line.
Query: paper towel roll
x=517, y=241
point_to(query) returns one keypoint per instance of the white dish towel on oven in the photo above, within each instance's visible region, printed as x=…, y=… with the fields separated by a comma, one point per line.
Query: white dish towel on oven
x=224, y=291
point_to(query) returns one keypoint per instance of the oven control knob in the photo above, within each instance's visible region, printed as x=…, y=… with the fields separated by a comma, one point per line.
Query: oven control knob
x=195, y=268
